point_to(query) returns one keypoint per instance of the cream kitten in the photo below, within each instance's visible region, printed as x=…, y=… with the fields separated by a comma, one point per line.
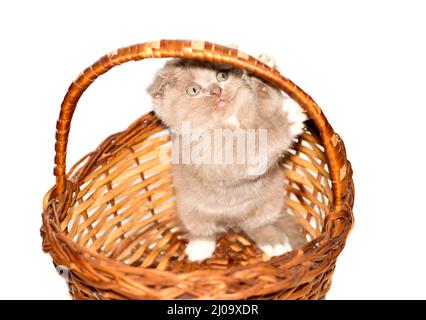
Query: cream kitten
x=213, y=197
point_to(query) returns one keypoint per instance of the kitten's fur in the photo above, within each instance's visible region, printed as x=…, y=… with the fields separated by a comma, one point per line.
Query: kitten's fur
x=211, y=198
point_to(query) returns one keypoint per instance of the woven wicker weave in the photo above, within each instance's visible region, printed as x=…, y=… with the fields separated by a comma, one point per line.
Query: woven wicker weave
x=110, y=220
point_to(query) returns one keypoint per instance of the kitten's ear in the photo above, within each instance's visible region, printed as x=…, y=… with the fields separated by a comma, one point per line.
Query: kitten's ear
x=166, y=77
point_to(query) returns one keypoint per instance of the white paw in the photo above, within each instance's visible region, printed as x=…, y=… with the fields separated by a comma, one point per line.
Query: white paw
x=295, y=115
x=276, y=250
x=268, y=60
x=200, y=249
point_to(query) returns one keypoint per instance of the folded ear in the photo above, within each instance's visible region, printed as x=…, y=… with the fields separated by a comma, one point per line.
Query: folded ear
x=165, y=77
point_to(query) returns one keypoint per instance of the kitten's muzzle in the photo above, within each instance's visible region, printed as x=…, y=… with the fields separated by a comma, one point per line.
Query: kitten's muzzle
x=215, y=90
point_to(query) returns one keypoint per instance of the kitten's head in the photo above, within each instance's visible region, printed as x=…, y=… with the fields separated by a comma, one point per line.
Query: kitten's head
x=203, y=93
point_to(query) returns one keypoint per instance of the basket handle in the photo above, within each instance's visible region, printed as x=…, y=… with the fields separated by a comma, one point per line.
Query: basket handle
x=199, y=50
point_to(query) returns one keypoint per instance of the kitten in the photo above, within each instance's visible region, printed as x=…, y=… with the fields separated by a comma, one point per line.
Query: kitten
x=213, y=197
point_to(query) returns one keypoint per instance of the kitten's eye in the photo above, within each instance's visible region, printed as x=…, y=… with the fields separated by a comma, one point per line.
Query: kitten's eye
x=193, y=90
x=222, y=75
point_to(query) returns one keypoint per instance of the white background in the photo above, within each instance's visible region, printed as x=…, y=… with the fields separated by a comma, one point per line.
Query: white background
x=362, y=61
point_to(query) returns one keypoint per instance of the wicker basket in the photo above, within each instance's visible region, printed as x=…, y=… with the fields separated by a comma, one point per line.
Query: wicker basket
x=110, y=220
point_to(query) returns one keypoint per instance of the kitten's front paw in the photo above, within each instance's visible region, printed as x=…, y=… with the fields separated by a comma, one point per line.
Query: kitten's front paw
x=276, y=249
x=200, y=249
x=268, y=60
x=295, y=115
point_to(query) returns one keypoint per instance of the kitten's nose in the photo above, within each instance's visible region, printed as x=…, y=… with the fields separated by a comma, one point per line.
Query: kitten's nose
x=215, y=89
